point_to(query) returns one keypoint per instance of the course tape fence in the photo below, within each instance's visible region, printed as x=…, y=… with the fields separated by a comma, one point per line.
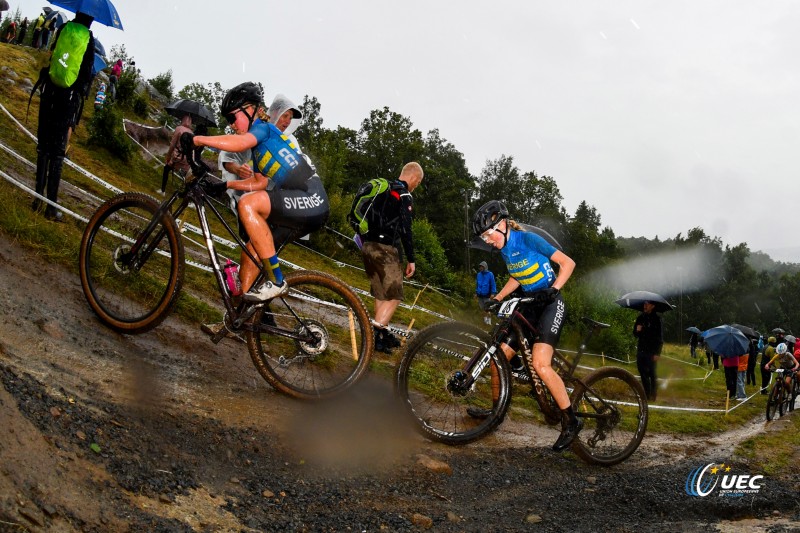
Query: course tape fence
x=232, y=245
x=183, y=224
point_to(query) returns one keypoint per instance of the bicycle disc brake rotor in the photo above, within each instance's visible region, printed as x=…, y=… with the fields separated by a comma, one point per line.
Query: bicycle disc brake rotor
x=608, y=420
x=456, y=384
x=122, y=250
x=318, y=342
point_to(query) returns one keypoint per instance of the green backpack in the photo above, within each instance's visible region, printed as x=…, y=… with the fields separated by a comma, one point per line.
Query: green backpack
x=361, y=210
x=65, y=64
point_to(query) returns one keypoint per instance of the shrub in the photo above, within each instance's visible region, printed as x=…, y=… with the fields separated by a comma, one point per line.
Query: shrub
x=105, y=130
x=163, y=84
x=140, y=105
x=126, y=87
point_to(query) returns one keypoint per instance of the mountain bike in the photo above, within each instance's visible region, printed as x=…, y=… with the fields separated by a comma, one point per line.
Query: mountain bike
x=781, y=400
x=447, y=369
x=311, y=343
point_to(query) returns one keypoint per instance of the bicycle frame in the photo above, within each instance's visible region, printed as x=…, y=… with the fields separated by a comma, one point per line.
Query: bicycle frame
x=514, y=320
x=192, y=193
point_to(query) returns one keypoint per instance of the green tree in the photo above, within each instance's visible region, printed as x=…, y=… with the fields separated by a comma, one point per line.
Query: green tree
x=163, y=84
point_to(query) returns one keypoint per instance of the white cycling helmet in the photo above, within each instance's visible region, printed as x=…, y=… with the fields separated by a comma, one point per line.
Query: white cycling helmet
x=781, y=348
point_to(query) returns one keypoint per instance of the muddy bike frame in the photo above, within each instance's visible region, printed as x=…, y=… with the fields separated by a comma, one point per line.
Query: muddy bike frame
x=193, y=192
x=515, y=322
x=455, y=382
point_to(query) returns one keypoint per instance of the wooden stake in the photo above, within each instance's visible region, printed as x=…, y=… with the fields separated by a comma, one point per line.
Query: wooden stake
x=352, y=334
x=410, y=324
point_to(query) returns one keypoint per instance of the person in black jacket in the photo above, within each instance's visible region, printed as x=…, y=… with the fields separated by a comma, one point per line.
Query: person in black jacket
x=60, y=110
x=381, y=250
x=647, y=329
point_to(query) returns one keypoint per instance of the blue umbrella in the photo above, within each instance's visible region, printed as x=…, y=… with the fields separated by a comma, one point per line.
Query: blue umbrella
x=102, y=11
x=727, y=341
x=99, y=48
x=99, y=64
x=60, y=17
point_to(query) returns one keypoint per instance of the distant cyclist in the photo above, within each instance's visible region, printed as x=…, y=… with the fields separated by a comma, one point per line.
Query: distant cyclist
x=528, y=258
x=284, y=188
x=784, y=359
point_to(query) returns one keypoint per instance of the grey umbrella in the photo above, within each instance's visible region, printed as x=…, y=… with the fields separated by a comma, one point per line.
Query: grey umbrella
x=200, y=113
x=636, y=300
x=750, y=332
x=694, y=330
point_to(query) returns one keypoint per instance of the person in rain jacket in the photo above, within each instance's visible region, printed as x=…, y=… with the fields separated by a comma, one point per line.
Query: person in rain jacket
x=649, y=333
x=485, y=288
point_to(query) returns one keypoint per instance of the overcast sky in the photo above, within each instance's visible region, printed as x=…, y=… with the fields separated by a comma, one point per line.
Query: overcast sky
x=662, y=115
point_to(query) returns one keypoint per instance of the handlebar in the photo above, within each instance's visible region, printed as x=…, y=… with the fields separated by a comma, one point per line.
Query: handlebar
x=199, y=169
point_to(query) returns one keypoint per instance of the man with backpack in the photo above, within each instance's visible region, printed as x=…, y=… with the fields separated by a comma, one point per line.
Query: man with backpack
x=389, y=219
x=65, y=84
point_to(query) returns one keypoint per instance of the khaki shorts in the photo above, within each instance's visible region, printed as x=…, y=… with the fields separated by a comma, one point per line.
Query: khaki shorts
x=385, y=273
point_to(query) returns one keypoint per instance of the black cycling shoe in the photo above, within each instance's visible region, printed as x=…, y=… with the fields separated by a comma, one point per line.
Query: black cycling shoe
x=390, y=340
x=478, y=412
x=568, y=435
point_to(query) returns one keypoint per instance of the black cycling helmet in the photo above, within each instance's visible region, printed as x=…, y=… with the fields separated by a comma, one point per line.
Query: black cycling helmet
x=241, y=95
x=488, y=215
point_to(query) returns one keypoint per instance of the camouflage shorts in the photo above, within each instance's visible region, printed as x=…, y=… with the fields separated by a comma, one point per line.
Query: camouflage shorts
x=385, y=273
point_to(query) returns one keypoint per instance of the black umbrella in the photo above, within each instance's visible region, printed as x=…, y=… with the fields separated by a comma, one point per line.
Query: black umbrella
x=694, y=330
x=200, y=113
x=636, y=300
x=4, y=5
x=727, y=341
x=750, y=332
x=778, y=330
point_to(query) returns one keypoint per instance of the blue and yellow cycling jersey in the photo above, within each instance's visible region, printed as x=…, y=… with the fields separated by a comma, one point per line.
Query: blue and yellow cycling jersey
x=275, y=156
x=527, y=257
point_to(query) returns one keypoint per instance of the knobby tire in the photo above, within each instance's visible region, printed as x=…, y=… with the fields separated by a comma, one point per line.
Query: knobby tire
x=425, y=383
x=130, y=300
x=613, y=428
x=342, y=341
x=775, y=400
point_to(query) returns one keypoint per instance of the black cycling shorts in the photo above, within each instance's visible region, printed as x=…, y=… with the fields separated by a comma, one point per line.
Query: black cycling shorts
x=548, y=321
x=297, y=212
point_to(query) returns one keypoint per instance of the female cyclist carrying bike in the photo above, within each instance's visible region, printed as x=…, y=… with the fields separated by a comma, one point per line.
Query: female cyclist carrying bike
x=528, y=258
x=284, y=188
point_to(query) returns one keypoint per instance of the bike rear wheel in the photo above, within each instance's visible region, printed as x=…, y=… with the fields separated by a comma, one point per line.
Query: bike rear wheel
x=429, y=381
x=795, y=391
x=613, y=406
x=131, y=294
x=338, y=344
x=775, y=400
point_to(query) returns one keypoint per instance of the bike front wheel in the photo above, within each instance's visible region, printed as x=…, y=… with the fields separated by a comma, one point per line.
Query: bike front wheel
x=613, y=406
x=775, y=401
x=327, y=342
x=131, y=292
x=431, y=381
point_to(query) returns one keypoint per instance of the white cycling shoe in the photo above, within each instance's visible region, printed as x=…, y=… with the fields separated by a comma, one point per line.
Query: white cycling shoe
x=266, y=291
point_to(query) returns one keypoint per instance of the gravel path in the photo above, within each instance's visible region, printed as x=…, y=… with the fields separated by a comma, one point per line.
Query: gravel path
x=167, y=432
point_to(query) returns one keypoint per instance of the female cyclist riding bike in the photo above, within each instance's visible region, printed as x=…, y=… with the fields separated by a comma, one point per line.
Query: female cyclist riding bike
x=784, y=359
x=528, y=258
x=284, y=188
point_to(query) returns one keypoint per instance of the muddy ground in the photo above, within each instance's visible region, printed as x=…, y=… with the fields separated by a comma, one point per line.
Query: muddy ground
x=167, y=432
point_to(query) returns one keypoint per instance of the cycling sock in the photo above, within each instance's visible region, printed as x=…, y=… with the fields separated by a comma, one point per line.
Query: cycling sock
x=569, y=413
x=273, y=268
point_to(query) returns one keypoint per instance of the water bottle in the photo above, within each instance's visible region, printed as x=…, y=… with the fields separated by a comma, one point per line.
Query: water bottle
x=232, y=278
